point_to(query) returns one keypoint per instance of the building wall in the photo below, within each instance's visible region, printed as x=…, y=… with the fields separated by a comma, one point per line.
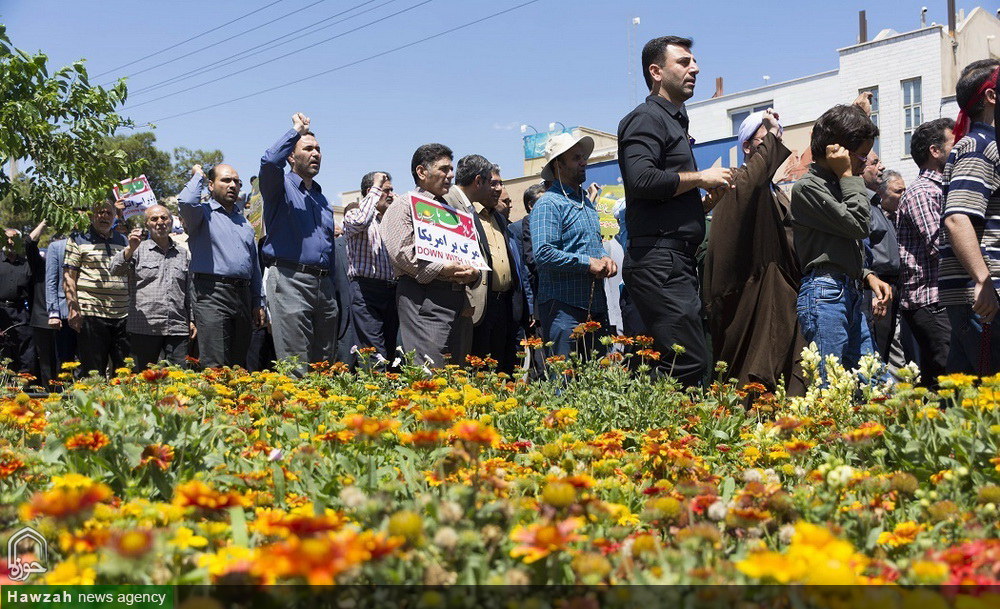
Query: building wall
x=886, y=64
x=796, y=101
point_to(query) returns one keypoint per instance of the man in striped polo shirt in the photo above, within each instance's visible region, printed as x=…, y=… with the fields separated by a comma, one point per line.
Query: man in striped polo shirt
x=97, y=300
x=970, y=257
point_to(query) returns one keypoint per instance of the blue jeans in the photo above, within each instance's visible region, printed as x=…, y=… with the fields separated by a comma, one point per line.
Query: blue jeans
x=558, y=320
x=831, y=314
x=965, y=354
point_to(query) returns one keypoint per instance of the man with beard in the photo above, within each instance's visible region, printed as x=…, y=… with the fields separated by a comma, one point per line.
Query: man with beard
x=665, y=214
x=97, y=300
x=159, y=316
x=227, y=300
x=301, y=295
x=566, y=240
x=751, y=273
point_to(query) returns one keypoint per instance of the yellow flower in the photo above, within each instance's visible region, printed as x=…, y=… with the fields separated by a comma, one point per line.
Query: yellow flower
x=77, y=570
x=70, y=365
x=904, y=533
x=229, y=558
x=929, y=571
x=185, y=538
x=769, y=566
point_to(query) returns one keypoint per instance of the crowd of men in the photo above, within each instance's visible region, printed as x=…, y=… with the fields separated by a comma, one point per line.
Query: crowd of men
x=854, y=260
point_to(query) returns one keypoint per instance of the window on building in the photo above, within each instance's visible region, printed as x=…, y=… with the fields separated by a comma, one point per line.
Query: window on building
x=874, y=92
x=912, y=115
x=738, y=115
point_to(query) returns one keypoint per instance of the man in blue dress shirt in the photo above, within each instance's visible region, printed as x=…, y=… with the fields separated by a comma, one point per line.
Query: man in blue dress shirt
x=299, y=244
x=226, y=279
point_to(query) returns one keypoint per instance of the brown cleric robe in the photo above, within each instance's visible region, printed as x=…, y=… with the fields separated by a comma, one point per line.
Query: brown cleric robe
x=752, y=277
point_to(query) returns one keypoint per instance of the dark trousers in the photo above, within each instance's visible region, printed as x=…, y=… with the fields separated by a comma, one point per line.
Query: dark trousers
x=376, y=318
x=663, y=286
x=496, y=332
x=884, y=328
x=931, y=331
x=15, y=342
x=102, y=340
x=428, y=319
x=558, y=321
x=261, y=354
x=222, y=317
x=631, y=320
x=147, y=350
x=53, y=347
x=968, y=352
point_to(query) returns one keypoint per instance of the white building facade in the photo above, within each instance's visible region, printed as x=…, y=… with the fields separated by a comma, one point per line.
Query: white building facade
x=912, y=76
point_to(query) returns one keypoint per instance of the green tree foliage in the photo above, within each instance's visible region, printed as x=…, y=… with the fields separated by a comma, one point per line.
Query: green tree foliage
x=185, y=159
x=55, y=125
x=141, y=151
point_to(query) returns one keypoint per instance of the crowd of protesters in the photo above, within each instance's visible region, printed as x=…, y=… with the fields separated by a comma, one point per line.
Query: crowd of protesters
x=854, y=260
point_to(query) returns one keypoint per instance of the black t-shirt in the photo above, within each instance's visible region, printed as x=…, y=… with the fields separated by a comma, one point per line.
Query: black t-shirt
x=653, y=148
x=15, y=281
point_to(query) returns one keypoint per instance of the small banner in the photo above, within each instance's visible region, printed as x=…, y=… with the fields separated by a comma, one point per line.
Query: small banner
x=442, y=233
x=605, y=204
x=137, y=195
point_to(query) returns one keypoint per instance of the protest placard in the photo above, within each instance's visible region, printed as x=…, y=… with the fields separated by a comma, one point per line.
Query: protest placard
x=443, y=233
x=605, y=204
x=137, y=195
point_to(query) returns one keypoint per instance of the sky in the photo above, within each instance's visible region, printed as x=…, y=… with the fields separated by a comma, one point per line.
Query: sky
x=564, y=61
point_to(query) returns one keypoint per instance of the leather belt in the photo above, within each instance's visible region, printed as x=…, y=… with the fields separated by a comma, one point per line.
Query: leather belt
x=315, y=271
x=237, y=281
x=676, y=245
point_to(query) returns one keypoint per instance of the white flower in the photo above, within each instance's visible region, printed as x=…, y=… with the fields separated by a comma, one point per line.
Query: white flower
x=275, y=455
x=717, y=511
x=752, y=475
x=785, y=533
x=446, y=538
x=840, y=476
x=352, y=497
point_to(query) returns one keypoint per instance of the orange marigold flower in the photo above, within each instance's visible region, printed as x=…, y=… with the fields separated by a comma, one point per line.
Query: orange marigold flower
x=337, y=437
x=424, y=438
x=70, y=495
x=158, y=455
x=367, y=426
x=644, y=341
x=754, y=388
x=537, y=541
x=317, y=560
x=200, y=495
x=865, y=432
x=531, y=343
x=798, y=446
x=625, y=341
x=151, y=375
x=277, y=522
x=474, y=432
x=904, y=533
x=9, y=463
x=90, y=440
x=649, y=354
x=440, y=414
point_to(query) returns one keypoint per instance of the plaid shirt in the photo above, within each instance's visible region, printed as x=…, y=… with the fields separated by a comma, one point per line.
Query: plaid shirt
x=973, y=178
x=565, y=235
x=366, y=253
x=918, y=228
x=159, y=304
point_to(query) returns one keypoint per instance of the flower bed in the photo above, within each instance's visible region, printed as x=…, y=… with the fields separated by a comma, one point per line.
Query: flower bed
x=595, y=475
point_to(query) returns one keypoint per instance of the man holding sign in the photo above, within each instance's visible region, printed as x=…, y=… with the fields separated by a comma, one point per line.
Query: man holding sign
x=430, y=294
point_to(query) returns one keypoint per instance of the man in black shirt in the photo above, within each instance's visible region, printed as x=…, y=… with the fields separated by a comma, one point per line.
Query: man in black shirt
x=665, y=214
x=20, y=263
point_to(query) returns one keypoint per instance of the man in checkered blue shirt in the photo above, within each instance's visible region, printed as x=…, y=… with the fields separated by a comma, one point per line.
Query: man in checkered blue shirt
x=566, y=242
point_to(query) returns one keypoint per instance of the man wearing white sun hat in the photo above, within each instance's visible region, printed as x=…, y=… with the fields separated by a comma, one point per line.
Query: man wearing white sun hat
x=566, y=242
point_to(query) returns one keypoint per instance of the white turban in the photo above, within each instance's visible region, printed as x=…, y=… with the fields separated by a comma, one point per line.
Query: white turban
x=750, y=125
